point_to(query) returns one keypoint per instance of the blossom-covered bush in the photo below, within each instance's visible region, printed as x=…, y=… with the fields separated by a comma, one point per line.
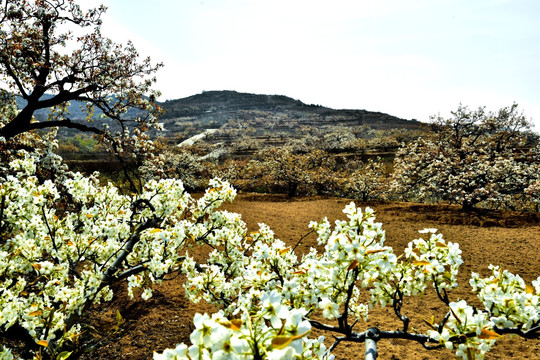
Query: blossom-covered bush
x=181, y=163
x=369, y=181
x=471, y=158
x=295, y=172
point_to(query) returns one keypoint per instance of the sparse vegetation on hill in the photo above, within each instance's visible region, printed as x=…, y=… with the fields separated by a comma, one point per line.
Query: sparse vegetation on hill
x=266, y=116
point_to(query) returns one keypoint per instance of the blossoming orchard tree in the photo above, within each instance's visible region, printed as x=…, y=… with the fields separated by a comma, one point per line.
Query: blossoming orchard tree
x=368, y=181
x=473, y=157
x=63, y=247
x=294, y=171
x=44, y=62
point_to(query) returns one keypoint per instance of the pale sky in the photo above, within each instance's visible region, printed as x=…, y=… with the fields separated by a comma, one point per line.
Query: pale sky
x=411, y=59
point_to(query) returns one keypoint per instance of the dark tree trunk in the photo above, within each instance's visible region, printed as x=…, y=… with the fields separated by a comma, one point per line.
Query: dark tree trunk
x=467, y=206
x=291, y=189
x=20, y=124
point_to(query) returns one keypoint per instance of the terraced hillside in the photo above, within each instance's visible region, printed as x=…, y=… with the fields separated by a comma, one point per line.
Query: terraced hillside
x=269, y=120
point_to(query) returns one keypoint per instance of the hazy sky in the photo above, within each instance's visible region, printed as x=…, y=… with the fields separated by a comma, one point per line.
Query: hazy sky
x=410, y=59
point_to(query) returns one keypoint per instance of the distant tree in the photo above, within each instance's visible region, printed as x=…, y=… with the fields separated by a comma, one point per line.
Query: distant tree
x=294, y=171
x=282, y=167
x=304, y=144
x=473, y=157
x=244, y=174
x=368, y=181
x=338, y=138
x=48, y=66
x=184, y=163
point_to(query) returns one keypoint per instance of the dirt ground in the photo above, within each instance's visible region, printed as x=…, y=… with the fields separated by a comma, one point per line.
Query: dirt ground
x=511, y=240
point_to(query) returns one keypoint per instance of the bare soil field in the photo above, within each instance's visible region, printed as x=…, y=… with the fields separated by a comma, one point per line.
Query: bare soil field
x=508, y=239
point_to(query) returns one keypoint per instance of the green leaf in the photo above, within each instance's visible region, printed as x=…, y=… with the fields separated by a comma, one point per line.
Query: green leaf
x=63, y=355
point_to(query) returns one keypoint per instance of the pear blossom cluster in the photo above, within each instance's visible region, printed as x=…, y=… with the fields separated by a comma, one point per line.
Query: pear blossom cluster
x=510, y=306
x=249, y=275
x=354, y=253
x=467, y=331
x=510, y=301
x=270, y=330
x=63, y=247
x=432, y=260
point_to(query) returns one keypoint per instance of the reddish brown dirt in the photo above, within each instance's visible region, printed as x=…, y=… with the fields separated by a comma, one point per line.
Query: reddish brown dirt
x=511, y=240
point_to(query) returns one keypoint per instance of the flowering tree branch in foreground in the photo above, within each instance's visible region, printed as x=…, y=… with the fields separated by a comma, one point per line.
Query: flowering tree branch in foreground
x=62, y=248
x=269, y=298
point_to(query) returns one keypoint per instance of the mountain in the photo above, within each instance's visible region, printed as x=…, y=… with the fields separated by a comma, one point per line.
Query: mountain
x=265, y=113
x=212, y=101
x=217, y=107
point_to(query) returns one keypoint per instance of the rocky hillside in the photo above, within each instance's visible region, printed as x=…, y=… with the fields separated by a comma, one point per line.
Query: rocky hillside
x=215, y=108
x=243, y=115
